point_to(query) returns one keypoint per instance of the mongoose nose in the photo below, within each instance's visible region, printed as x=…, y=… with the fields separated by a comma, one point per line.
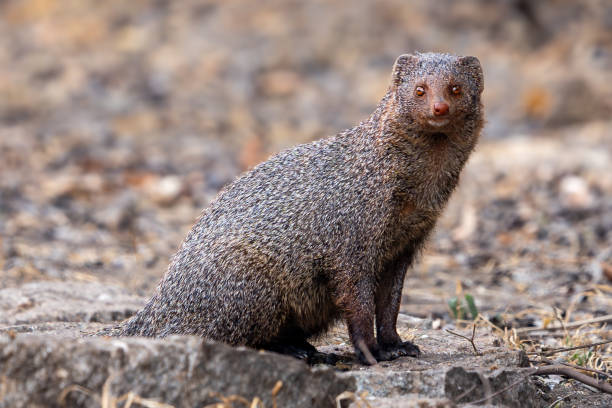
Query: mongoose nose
x=440, y=108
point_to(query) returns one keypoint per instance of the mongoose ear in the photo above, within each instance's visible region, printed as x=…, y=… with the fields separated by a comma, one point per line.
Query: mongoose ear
x=403, y=64
x=475, y=70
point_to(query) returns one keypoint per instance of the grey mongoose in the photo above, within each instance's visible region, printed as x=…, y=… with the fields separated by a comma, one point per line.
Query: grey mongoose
x=327, y=230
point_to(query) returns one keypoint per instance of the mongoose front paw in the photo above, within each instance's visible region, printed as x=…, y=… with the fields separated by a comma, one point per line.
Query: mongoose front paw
x=393, y=351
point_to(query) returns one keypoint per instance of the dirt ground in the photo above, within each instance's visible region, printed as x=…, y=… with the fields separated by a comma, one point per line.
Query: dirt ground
x=120, y=121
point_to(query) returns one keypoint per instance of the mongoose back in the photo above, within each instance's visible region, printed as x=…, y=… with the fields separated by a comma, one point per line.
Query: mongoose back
x=326, y=230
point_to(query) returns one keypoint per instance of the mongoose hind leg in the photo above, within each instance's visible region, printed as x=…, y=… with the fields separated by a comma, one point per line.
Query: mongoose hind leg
x=302, y=350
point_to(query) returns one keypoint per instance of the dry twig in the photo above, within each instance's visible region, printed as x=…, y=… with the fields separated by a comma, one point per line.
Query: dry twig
x=554, y=369
x=471, y=340
x=558, y=369
x=592, y=370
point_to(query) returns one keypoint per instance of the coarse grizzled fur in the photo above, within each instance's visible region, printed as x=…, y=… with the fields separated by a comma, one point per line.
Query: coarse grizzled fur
x=326, y=230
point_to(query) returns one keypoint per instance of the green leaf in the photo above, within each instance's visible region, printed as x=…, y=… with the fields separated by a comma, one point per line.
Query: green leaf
x=469, y=299
x=453, y=304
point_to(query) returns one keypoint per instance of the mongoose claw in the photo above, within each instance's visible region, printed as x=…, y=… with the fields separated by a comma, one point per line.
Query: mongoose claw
x=402, y=349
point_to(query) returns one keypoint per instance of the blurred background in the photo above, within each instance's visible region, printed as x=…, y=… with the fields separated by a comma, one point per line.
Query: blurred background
x=121, y=120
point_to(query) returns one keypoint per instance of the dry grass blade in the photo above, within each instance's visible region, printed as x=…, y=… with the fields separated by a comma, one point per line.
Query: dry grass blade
x=77, y=388
x=275, y=390
x=358, y=399
x=256, y=403
x=563, y=349
x=147, y=403
x=3, y=386
x=573, y=325
x=107, y=400
x=129, y=399
x=227, y=402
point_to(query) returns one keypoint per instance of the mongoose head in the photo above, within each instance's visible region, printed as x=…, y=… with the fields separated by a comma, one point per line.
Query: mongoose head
x=437, y=92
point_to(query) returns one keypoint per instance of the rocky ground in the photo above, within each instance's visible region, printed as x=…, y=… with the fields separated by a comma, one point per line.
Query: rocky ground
x=120, y=121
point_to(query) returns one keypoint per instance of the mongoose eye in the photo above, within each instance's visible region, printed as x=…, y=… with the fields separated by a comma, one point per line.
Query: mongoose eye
x=456, y=89
x=420, y=91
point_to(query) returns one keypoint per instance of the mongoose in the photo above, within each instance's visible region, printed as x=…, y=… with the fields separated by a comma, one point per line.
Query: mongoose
x=326, y=230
